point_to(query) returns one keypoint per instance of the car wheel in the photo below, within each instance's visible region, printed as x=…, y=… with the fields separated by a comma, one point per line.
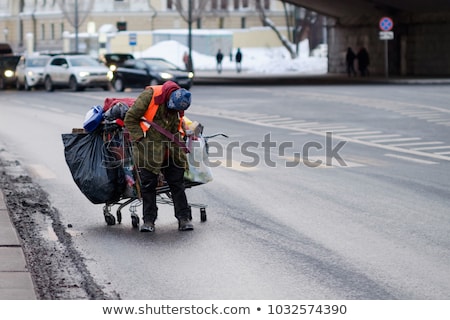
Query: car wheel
x=73, y=85
x=48, y=84
x=118, y=85
x=18, y=85
x=26, y=85
x=2, y=84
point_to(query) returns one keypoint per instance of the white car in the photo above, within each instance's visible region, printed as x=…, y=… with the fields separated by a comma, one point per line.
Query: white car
x=76, y=72
x=30, y=71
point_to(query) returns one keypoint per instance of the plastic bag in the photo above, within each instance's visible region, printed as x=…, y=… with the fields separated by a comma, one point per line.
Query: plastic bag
x=198, y=170
x=98, y=178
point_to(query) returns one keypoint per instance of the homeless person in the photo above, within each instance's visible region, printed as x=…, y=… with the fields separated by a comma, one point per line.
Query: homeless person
x=155, y=123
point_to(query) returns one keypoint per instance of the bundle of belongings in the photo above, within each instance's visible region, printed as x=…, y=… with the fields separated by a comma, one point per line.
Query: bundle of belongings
x=100, y=156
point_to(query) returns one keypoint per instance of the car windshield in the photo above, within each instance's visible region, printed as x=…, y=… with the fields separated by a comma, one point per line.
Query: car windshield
x=9, y=62
x=84, y=62
x=37, y=62
x=160, y=64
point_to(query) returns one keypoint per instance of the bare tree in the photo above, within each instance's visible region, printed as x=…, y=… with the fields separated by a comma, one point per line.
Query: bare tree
x=198, y=8
x=269, y=23
x=76, y=12
x=193, y=11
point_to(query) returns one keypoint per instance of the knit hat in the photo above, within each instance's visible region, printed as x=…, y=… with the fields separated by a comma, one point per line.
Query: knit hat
x=179, y=100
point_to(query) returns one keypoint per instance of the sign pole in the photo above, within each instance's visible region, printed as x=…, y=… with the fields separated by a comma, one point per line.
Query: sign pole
x=386, y=59
x=386, y=24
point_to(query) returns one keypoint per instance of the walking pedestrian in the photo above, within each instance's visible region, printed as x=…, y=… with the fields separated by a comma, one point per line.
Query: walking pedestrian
x=219, y=58
x=238, y=59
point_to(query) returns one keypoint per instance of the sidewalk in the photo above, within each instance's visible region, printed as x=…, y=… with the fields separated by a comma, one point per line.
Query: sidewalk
x=249, y=77
x=15, y=280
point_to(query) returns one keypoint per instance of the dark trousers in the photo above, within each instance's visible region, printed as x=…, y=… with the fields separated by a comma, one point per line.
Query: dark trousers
x=174, y=176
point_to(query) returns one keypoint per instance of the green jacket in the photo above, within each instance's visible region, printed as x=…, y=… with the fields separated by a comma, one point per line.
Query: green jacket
x=151, y=151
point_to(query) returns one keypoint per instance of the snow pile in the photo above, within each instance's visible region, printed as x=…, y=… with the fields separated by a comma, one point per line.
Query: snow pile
x=260, y=60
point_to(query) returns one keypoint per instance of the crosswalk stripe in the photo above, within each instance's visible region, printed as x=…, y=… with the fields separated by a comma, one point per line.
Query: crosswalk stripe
x=377, y=136
x=410, y=159
x=416, y=144
x=396, y=140
x=432, y=148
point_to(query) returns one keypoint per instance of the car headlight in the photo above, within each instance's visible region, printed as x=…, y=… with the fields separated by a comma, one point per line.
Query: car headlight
x=83, y=74
x=190, y=75
x=113, y=67
x=30, y=73
x=9, y=73
x=110, y=75
x=166, y=75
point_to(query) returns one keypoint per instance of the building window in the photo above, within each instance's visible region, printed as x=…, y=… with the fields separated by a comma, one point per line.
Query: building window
x=224, y=5
x=42, y=31
x=52, y=28
x=243, y=22
x=62, y=30
x=214, y=4
x=170, y=4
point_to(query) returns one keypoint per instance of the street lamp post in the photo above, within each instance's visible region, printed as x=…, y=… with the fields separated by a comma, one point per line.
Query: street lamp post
x=190, y=64
x=76, y=25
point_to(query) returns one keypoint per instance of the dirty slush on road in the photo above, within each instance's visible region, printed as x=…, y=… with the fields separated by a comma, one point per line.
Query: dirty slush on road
x=57, y=268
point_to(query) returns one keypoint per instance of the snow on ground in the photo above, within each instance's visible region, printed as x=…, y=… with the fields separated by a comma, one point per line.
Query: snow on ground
x=260, y=60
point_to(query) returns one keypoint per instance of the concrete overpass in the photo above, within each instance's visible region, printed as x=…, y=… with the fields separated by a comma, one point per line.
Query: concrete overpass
x=421, y=33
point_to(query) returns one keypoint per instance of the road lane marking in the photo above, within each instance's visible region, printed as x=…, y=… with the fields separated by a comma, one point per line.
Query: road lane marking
x=410, y=159
x=415, y=144
x=396, y=140
x=357, y=133
x=377, y=136
x=432, y=148
x=306, y=128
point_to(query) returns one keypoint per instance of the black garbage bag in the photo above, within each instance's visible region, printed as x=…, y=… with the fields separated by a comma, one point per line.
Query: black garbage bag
x=98, y=177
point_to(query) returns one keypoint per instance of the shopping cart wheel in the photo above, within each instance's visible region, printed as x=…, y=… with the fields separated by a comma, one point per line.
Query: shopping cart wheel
x=135, y=221
x=202, y=214
x=119, y=216
x=110, y=220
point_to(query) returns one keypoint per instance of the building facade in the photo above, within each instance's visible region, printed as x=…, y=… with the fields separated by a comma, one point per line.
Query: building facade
x=44, y=24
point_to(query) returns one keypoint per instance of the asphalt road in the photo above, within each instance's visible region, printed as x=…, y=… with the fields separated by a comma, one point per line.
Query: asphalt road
x=322, y=192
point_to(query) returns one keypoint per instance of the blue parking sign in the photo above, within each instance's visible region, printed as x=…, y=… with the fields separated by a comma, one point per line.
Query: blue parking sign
x=132, y=37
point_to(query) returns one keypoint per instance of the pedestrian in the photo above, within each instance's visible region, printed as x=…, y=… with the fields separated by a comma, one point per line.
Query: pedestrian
x=219, y=58
x=350, y=60
x=186, y=60
x=238, y=59
x=363, y=62
x=158, y=149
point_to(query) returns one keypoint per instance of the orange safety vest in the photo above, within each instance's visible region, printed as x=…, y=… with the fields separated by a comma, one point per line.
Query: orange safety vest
x=152, y=109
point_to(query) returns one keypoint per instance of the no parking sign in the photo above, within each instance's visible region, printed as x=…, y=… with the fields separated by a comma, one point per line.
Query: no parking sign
x=386, y=24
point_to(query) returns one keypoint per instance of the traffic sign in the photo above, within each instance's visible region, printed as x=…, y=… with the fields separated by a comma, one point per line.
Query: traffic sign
x=386, y=35
x=386, y=24
x=132, y=37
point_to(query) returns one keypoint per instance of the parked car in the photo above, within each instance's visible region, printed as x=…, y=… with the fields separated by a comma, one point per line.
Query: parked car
x=30, y=71
x=76, y=72
x=8, y=65
x=115, y=60
x=5, y=49
x=139, y=73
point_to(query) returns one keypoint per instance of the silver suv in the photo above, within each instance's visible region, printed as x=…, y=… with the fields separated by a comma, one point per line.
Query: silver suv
x=76, y=72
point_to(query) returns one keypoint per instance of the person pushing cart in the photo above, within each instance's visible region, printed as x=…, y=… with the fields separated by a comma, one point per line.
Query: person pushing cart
x=155, y=124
